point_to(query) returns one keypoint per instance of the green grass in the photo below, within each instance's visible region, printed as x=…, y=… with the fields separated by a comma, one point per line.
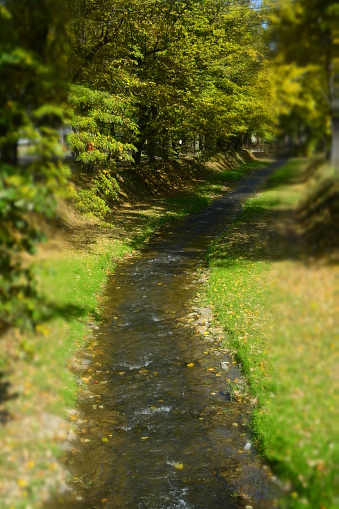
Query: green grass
x=72, y=291
x=71, y=283
x=276, y=311
x=203, y=194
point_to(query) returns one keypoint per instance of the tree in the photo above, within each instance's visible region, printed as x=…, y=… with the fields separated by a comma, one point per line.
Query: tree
x=31, y=93
x=188, y=68
x=100, y=125
x=302, y=40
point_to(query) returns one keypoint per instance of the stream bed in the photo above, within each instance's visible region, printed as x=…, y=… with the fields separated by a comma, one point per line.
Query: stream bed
x=157, y=424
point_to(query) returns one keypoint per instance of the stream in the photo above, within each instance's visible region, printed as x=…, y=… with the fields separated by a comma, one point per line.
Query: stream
x=157, y=425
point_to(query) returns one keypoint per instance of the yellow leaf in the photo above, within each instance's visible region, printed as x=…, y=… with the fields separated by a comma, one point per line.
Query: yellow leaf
x=42, y=329
x=22, y=483
x=178, y=466
x=190, y=365
x=104, y=439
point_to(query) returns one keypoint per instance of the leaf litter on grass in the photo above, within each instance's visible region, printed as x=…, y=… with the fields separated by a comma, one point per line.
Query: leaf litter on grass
x=272, y=285
x=73, y=267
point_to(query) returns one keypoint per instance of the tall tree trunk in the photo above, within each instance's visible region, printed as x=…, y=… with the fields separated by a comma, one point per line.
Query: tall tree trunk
x=137, y=155
x=9, y=153
x=335, y=143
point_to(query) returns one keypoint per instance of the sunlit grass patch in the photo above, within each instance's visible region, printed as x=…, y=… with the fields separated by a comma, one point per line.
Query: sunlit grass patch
x=39, y=365
x=70, y=284
x=299, y=434
x=240, y=292
x=275, y=304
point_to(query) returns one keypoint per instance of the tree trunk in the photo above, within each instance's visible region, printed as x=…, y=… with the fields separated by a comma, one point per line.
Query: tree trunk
x=335, y=143
x=137, y=155
x=9, y=153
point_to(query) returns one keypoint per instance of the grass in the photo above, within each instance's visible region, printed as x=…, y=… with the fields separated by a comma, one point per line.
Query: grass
x=39, y=386
x=275, y=302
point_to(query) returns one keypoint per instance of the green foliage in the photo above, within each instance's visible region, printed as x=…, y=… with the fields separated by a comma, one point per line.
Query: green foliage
x=302, y=38
x=103, y=190
x=30, y=107
x=98, y=119
x=187, y=69
x=100, y=122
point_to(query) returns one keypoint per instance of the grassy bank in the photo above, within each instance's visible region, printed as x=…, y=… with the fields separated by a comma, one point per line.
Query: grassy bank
x=39, y=385
x=271, y=284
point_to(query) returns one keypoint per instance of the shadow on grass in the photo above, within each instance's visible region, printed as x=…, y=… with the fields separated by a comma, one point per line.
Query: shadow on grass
x=291, y=175
x=69, y=311
x=179, y=186
x=265, y=232
x=5, y=395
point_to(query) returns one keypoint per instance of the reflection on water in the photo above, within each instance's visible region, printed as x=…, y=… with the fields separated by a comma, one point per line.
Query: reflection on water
x=153, y=432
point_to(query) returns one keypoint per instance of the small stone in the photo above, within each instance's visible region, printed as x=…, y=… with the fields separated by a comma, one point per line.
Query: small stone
x=225, y=365
x=247, y=446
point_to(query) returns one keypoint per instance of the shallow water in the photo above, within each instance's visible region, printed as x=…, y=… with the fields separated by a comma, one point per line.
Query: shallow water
x=173, y=437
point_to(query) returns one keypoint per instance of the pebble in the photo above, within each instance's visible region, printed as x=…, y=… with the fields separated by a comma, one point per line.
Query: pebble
x=247, y=446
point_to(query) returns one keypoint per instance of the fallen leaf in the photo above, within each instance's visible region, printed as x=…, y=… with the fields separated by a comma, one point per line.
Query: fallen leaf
x=178, y=466
x=190, y=365
x=104, y=439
